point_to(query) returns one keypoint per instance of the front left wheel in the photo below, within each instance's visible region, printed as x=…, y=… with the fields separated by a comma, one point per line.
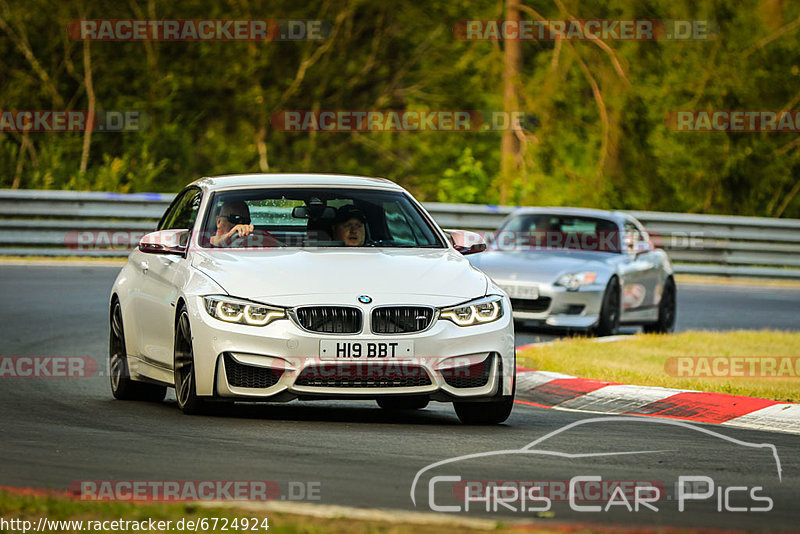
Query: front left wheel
x=185, y=384
x=491, y=412
x=484, y=413
x=123, y=387
x=608, y=323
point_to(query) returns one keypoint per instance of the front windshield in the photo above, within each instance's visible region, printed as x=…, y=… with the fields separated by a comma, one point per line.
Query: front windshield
x=546, y=231
x=315, y=217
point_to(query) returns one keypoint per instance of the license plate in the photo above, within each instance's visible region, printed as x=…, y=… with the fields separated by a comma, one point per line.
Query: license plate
x=332, y=349
x=522, y=292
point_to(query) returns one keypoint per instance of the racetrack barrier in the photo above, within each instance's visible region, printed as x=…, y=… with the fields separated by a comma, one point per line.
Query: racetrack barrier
x=60, y=223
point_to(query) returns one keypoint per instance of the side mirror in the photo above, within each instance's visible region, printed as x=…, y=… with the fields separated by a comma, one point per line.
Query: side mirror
x=165, y=242
x=466, y=242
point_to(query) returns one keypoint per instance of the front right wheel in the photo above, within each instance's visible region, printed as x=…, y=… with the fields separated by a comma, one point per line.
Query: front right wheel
x=185, y=384
x=123, y=387
x=666, y=311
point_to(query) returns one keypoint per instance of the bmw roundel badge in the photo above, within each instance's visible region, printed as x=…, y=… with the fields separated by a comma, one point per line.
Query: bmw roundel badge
x=364, y=299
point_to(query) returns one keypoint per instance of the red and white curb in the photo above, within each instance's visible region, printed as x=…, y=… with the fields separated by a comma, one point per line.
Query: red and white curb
x=555, y=390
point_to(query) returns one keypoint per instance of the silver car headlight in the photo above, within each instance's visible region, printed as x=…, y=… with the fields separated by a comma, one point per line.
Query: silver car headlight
x=576, y=280
x=480, y=311
x=233, y=310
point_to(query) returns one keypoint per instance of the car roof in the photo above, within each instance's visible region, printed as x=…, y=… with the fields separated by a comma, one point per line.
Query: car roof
x=616, y=216
x=241, y=181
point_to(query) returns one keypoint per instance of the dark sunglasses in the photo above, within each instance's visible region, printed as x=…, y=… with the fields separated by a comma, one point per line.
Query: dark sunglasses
x=237, y=219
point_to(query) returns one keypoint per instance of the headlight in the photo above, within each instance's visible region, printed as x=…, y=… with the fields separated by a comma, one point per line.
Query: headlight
x=239, y=311
x=576, y=280
x=483, y=310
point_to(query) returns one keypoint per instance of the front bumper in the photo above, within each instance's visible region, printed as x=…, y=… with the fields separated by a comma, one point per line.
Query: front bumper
x=281, y=361
x=555, y=306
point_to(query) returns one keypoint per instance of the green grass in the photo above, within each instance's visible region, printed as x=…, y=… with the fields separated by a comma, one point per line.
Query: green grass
x=641, y=360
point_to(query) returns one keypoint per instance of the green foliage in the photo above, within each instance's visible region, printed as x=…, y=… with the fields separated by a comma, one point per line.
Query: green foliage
x=210, y=103
x=466, y=184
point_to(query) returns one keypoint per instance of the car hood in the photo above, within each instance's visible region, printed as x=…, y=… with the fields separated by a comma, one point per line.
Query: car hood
x=291, y=277
x=543, y=267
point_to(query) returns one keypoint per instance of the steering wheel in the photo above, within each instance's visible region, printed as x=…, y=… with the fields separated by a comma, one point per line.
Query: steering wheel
x=258, y=238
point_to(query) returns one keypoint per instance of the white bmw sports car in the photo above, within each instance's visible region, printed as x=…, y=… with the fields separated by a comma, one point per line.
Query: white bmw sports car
x=277, y=287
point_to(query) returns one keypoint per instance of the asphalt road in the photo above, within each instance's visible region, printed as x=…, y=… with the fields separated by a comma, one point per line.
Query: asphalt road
x=56, y=431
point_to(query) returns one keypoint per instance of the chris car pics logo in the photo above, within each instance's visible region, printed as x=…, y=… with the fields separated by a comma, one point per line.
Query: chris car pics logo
x=446, y=485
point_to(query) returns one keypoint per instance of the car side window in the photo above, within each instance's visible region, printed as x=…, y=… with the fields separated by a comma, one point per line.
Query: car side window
x=170, y=213
x=184, y=212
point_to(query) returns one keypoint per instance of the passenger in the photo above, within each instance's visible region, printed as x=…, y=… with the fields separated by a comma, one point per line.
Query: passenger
x=350, y=226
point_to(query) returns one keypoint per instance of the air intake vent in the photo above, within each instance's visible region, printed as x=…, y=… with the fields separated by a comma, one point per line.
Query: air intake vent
x=363, y=375
x=401, y=319
x=249, y=376
x=330, y=319
x=470, y=376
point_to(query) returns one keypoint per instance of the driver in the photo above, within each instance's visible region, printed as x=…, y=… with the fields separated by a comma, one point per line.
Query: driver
x=544, y=233
x=233, y=221
x=350, y=226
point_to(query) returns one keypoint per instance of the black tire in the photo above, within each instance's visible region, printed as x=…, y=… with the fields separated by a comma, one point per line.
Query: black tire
x=403, y=403
x=185, y=385
x=484, y=413
x=123, y=387
x=491, y=412
x=667, y=311
x=608, y=324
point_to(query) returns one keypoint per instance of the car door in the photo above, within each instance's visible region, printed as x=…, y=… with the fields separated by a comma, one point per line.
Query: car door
x=163, y=276
x=641, y=274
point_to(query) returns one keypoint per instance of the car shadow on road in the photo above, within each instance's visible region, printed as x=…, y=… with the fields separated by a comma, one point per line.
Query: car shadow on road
x=366, y=412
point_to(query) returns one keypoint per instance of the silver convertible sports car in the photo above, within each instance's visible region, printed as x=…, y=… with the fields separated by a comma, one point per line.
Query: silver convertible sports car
x=575, y=268
x=292, y=286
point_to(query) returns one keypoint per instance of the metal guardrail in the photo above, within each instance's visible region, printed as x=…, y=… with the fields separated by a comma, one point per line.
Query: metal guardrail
x=71, y=223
